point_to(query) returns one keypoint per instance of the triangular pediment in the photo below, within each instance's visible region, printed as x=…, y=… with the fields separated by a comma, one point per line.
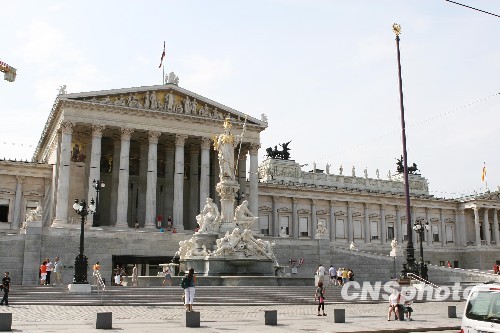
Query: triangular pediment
x=168, y=98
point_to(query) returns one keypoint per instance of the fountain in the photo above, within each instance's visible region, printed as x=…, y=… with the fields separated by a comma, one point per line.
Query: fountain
x=224, y=244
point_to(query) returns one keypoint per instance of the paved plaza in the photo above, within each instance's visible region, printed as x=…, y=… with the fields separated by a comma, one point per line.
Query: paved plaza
x=430, y=316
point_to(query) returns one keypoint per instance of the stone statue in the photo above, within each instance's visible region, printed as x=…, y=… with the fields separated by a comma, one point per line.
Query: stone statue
x=154, y=101
x=396, y=250
x=62, y=90
x=389, y=176
x=35, y=215
x=209, y=218
x=353, y=171
x=283, y=233
x=377, y=173
x=169, y=101
x=327, y=168
x=321, y=229
x=243, y=217
x=228, y=244
x=341, y=169
x=257, y=247
x=366, y=173
x=225, y=143
x=194, y=106
x=187, y=105
x=263, y=118
x=147, y=102
x=172, y=78
x=314, y=167
x=353, y=247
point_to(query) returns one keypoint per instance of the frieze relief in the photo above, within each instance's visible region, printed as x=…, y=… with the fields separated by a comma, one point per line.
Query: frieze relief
x=165, y=101
x=321, y=212
x=434, y=219
x=284, y=210
x=32, y=194
x=7, y=191
x=303, y=211
x=340, y=213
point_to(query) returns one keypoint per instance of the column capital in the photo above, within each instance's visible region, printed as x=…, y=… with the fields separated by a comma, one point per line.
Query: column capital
x=399, y=208
x=205, y=143
x=349, y=204
x=126, y=133
x=169, y=147
x=367, y=205
x=180, y=139
x=153, y=136
x=295, y=200
x=332, y=203
x=485, y=209
x=194, y=149
x=97, y=130
x=314, y=201
x=275, y=198
x=459, y=211
x=254, y=149
x=20, y=179
x=67, y=127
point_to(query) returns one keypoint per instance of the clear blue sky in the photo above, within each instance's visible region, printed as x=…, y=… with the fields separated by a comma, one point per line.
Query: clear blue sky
x=324, y=72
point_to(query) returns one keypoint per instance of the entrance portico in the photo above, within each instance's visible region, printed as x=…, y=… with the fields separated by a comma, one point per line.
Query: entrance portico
x=163, y=138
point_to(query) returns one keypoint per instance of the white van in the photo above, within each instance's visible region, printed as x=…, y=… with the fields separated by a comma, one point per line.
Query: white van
x=482, y=310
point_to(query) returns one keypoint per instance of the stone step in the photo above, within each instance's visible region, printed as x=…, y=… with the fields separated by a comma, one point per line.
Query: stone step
x=205, y=295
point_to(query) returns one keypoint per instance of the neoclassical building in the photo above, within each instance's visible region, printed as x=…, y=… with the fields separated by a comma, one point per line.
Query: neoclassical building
x=153, y=149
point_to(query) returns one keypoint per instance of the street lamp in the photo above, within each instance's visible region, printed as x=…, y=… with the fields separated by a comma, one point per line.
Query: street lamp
x=409, y=265
x=420, y=228
x=81, y=261
x=98, y=185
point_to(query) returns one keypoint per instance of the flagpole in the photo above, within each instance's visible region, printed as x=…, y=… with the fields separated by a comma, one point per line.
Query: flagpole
x=163, y=77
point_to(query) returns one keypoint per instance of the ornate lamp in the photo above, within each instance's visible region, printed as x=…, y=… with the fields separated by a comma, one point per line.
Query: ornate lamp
x=81, y=261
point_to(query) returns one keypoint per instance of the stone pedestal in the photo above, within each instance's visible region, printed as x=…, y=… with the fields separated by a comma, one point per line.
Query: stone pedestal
x=190, y=319
x=5, y=322
x=215, y=266
x=205, y=239
x=271, y=317
x=80, y=288
x=227, y=190
x=104, y=320
x=339, y=315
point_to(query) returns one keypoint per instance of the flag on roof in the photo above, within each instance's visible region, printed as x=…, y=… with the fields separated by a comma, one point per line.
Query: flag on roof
x=483, y=176
x=162, y=55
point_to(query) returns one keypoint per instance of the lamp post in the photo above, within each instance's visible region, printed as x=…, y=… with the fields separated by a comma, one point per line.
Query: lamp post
x=420, y=228
x=98, y=185
x=81, y=261
x=409, y=265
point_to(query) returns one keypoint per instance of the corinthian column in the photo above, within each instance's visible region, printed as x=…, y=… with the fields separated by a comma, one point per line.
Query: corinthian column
x=476, y=226
x=204, y=172
x=486, y=227
x=122, y=204
x=495, y=226
x=180, y=140
x=194, y=208
x=254, y=182
x=47, y=202
x=95, y=164
x=115, y=169
x=350, y=231
x=16, y=222
x=64, y=168
x=169, y=180
x=332, y=221
x=151, y=178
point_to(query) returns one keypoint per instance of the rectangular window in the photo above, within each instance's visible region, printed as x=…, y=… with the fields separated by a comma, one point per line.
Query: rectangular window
x=264, y=224
x=435, y=233
x=404, y=231
x=374, y=229
x=339, y=229
x=390, y=230
x=449, y=234
x=4, y=213
x=357, y=229
x=303, y=226
x=284, y=223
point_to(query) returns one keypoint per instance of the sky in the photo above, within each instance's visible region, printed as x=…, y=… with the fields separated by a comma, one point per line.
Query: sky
x=324, y=73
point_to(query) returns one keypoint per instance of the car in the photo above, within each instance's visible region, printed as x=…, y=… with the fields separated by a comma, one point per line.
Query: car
x=482, y=310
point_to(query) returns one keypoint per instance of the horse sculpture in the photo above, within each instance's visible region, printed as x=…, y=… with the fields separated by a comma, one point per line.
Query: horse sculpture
x=412, y=169
x=279, y=154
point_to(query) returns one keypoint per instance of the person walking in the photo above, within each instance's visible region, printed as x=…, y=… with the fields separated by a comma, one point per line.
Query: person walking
x=50, y=268
x=168, y=276
x=135, y=277
x=5, y=286
x=96, y=271
x=333, y=276
x=189, y=291
x=320, y=296
x=57, y=271
x=43, y=272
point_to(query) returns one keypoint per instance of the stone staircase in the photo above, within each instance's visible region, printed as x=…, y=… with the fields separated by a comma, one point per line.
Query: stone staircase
x=368, y=266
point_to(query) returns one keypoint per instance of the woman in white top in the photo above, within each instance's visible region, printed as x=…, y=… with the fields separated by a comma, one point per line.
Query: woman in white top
x=394, y=299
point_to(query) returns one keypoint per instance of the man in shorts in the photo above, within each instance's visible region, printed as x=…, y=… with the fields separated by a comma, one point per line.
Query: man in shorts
x=333, y=276
x=168, y=276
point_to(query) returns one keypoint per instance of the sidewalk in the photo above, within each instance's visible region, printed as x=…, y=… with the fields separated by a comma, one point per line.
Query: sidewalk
x=429, y=316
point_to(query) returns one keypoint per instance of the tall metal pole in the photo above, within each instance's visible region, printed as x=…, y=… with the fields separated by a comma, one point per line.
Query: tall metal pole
x=81, y=261
x=409, y=265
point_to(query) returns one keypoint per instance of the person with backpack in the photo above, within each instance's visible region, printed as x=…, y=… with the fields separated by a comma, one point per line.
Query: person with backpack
x=188, y=283
x=320, y=296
